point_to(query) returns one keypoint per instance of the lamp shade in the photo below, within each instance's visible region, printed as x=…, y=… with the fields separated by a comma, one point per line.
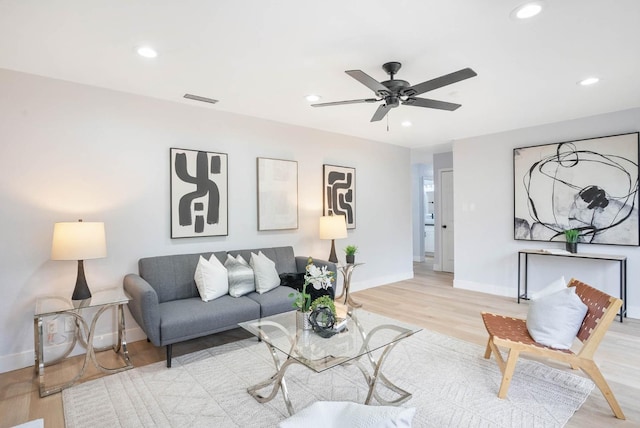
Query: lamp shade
x=333, y=227
x=78, y=241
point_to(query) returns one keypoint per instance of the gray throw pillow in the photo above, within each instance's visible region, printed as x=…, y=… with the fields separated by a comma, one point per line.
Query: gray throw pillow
x=240, y=275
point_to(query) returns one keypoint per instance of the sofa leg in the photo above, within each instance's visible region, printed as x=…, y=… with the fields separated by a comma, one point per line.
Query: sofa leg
x=169, y=349
x=148, y=341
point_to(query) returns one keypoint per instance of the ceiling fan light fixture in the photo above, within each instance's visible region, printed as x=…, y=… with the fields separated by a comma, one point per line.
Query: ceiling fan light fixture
x=527, y=10
x=406, y=123
x=147, y=52
x=589, y=81
x=312, y=98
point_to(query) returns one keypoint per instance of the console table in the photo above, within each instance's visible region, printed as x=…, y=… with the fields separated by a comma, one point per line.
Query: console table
x=622, y=260
x=84, y=333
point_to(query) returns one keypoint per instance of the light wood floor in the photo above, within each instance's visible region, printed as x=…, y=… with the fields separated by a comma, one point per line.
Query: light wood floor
x=428, y=300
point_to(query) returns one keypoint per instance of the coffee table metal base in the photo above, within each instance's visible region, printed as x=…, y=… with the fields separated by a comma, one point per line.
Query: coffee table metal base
x=278, y=382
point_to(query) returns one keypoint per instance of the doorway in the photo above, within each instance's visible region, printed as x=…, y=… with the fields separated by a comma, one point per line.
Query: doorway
x=446, y=220
x=429, y=217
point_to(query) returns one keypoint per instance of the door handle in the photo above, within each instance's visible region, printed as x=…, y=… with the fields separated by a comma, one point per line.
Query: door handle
x=444, y=226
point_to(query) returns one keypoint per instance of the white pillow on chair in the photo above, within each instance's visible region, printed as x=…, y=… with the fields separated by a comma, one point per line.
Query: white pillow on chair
x=340, y=414
x=554, y=319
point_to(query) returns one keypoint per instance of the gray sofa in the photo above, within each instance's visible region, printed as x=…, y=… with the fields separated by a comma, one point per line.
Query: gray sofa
x=166, y=304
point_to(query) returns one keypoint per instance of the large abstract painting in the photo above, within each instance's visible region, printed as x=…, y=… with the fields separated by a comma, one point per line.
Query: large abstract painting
x=589, y=185
x=277, y=194
x=339, y=192
x=198, y=193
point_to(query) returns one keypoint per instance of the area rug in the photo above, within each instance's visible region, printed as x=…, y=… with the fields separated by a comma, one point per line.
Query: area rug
x=452, y=386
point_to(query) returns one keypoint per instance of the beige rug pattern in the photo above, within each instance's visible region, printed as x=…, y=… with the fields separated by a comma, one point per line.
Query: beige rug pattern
x=452, y=386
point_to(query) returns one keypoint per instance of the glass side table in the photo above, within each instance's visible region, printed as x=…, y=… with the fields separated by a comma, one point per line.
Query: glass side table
x=346, y=271
x=84, y=333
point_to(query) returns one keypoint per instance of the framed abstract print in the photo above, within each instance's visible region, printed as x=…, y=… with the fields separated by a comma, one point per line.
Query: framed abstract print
x=589, y=185
x=339, y=192
x=277, y=194
x=199, y=193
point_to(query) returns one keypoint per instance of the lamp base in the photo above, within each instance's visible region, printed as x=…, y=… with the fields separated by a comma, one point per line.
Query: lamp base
x=332, y=256
x=81, y=291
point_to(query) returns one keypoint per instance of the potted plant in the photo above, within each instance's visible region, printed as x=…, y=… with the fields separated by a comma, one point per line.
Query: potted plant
x=350, y=251
x=316, y=277
x=571, y=237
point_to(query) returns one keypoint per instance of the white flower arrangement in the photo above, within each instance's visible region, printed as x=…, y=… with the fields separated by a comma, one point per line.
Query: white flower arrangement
x=318, y=278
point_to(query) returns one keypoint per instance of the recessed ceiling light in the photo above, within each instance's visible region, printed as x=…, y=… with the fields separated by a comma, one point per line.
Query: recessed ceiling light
x=589, y=81
x=312, y=98
x=147, y=52
x=406, y=123
x=527, y=10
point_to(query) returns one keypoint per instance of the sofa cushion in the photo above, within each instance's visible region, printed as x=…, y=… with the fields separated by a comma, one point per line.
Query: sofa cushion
x=188, y=318
x=211, y=279
x=264, y=272
x=240, y=274
x=274, y=301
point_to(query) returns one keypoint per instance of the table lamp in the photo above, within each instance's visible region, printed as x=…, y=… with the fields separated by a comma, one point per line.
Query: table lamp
x=79, y=241
x=333, y=227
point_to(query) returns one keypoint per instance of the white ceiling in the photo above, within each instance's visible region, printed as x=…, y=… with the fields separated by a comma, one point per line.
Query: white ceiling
x=260, y=58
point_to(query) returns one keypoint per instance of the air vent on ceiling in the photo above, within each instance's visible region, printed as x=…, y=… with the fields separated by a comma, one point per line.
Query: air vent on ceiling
x=199, y=98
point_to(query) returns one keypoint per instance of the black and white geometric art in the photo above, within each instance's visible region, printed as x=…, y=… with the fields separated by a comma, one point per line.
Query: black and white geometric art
x=589, y=185
x=339, y=192
x=199, y=199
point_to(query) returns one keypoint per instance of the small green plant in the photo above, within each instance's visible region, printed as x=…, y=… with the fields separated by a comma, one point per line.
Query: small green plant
x=324, y=301
x=350, y=250
x=571, y=235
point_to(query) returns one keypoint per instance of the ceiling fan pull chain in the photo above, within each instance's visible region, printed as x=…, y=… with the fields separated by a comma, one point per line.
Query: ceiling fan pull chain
x=387, y=123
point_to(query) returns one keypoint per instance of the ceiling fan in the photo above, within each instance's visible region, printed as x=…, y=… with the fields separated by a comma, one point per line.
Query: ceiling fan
x=395, y=91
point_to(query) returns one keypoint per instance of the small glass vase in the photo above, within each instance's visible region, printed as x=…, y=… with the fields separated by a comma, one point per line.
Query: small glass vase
x=302, y=320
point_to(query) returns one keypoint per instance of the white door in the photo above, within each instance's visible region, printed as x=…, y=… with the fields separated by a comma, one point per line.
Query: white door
x=446, y=222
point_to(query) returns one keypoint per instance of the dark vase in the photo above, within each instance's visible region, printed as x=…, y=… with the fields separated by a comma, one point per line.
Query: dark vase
x=572, y=247
x=351, y=259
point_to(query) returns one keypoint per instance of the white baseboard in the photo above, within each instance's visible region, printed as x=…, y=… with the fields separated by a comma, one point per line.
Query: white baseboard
x=27, y=358
x=484, y=288
x=382, y=280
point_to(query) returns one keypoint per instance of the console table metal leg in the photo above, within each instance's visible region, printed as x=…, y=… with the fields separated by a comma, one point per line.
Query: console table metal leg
x=623, y=289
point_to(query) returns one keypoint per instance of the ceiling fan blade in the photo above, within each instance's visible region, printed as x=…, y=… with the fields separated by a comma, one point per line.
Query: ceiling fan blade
x=368, y=81
x=338, y=103
x=426, y=102
x=380, y=113
x=441, y=81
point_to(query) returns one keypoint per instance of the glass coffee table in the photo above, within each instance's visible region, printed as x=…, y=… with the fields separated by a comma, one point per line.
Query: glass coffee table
x=365, y=333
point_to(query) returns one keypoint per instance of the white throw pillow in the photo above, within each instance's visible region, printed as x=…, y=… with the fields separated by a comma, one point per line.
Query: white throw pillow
x=553, y=287
x=211, y=278
x=265, y=273
x=554, y=320
x=241, y=279
x=339, y=414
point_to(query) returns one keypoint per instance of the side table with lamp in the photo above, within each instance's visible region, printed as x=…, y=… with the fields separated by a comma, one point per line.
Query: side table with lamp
x=79, y=241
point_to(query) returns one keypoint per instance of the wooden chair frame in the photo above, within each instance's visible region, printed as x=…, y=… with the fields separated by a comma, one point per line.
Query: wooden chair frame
x=511, y=333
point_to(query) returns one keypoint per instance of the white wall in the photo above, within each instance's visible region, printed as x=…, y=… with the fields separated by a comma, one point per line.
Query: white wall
x=485, y=251
x=71, y=151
